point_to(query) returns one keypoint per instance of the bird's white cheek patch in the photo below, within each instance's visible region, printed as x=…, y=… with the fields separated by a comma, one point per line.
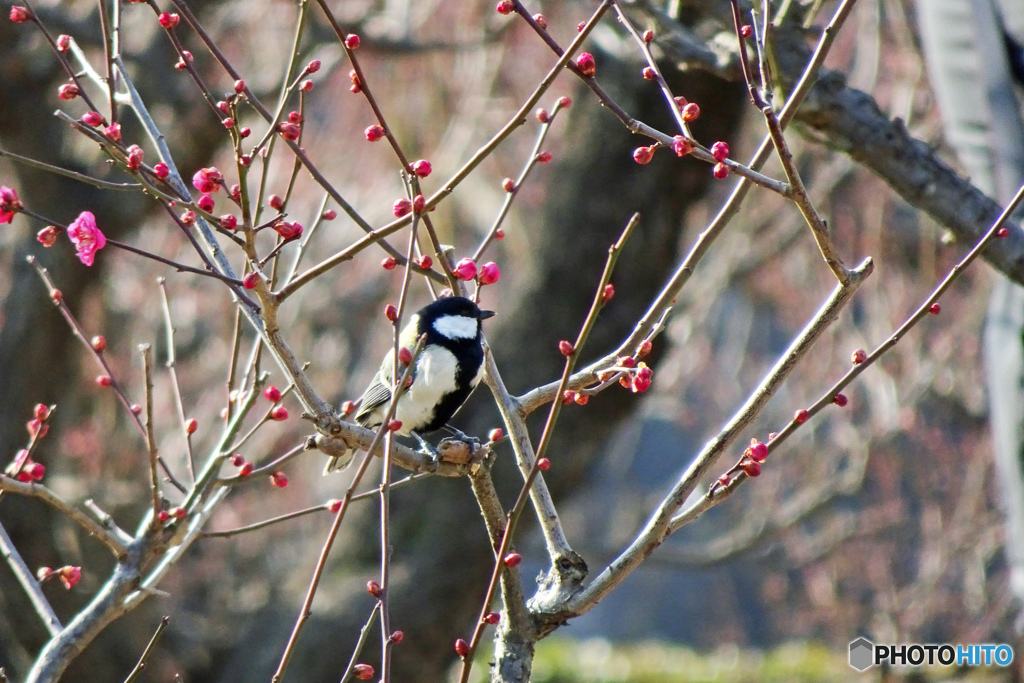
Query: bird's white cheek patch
x=435, y=377
x=457, y=326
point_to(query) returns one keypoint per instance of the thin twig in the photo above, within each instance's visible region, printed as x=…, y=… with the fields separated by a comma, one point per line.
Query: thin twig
x=172, y=369
x=154, y=483
x=363, y=633
x=149, y=648
x=74, y=175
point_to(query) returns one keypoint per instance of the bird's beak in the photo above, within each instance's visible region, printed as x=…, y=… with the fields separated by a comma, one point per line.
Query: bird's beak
x=484, y=315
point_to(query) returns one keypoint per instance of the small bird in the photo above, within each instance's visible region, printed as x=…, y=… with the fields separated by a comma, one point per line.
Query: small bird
x=447, y=370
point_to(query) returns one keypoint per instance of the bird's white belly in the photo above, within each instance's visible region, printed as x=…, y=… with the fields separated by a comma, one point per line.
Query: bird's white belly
x=435, y=377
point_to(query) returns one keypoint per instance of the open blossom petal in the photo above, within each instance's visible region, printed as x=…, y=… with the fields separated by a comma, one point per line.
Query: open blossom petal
x=86, y=237
x=9, y=204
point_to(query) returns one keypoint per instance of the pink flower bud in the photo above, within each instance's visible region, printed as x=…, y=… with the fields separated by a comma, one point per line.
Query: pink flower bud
x=68, y=91
x=426, y=262
x=388, y=263
x=288, y=231
x=499, y=234
x=161, y=170
x=421, y=168
x=373, y=133
x=251, y=280
x=681, y=146
x=566, y=348
x=489, y=273
x=374, y=589
x=136, y=409
x=648, y=36
x=746, y=30
x=20, y=14
x=720, y=151
x=189, y=217
x=609, y=292
x=495, y=434
x=178, y=512
x=508, y=185
x=691, y=112
x=228, y=222
x=56, y=296
x=168, y=20
x=395, y=425
x=352, y=41
x=649, y=74
x=513, y=559
x=87, y=238
x=757, y=451
x=279, y=479
x=69, y=576
x=98, y=343
x=541, y=20
x=858, y=357
x=246, y=469
x=363, y=672
x=720, y=170
x=644, y=348
x=404, y=356
x=163, y=515
x=191, y=425
x=306, y=85
x=92, y=118
x=313, y=66
x=752, y=468
x=801, y=416
x=334, y=505
x=223, y=107
x=348, y=407
x=461, y=648
x=207, y=180
x=47, y=236
x=492, y=618
x=840, y=400
x=397, y=637
x=564, y=102
x=41, y=412
x=586, y=64
x=643, y=155
x=465, y=269
x=289, y=131
x=279, y=414
x=390, y=312
x=295, y=117
x=237, y=460
x=239, y=86
x=357, y=86
x=419, y=203
x=205, y=202
x=272, y=393
x=401, y=207
x=935, y=309
x=329, y=215
x=544, y=157
x=135, y=157
x=543, y=464
x=505, y=6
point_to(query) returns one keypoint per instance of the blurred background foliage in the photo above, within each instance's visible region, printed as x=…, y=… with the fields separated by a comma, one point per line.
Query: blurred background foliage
x=881, y=519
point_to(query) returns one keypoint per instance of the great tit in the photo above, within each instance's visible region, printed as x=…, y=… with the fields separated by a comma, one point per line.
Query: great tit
x=447, y=370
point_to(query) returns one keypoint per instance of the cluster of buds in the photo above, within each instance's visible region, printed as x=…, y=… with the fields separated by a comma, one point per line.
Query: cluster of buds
x=68, y=575
x=9, y=204
x=245, y=468
x=24, y=469
x=288, y=231
x=749, y=463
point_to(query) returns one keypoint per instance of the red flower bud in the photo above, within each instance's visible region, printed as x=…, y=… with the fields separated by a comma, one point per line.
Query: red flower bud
x=648, y=36
x=461, y=648
x=374, y=589
x=168, y=20
x=495, y=434
x=499, y=234
x=643, y=155
x=681, y=146
x=566, y=347
x=92, y=118
x=41, y=412
x=404, y=356
x=334, y=505
x=720, y=151
x=313, y=66
x=465, y=269
x=395, y=425
x=56, y=296
x=544, y=157
x=239, y=86
x=388, y=263
x=250, y=281
x=543, y=464
x=649, y=74
x=189, y=217
x=272, y=393
x=352, y=41
x=419, y=203
x=935, y=309
x=104, y=380
x=508, y=185
x=543, y=116
x=163, y=515
x=294, y=117
x=246, y=469
x=191, y=425
x=421, y=168
x=329, y=215
x=374, y=133
x=68, y=91
x=746, y=30
x=363, y=672
x=401, y=207
x=279, y=479
x=489, y=273
x=691, y=112
x=513, y=559
x=564, y=102
x=136, y=409
x=505, y=6
x=801, y=416
x=347, y=407
x=721, y=170
x=858, y=357
x=390, y=312
x=426, y=262
x=178, y=512
x=397, y=637
x=279, y=414
x=237, y=460
x=1002, y=233
x=20, y=14
x=288, y=231
x=757, y=450
x=47, y=236
x=161, y=170
x=609, y=292
x=752, y=468
x=205, y=202
x=840, y=400
x=228, y=222
x=492, y=618
x=586, y=64
x=289, y=131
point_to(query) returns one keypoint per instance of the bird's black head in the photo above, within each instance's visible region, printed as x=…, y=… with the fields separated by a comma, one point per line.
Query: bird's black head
x=455, y=318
